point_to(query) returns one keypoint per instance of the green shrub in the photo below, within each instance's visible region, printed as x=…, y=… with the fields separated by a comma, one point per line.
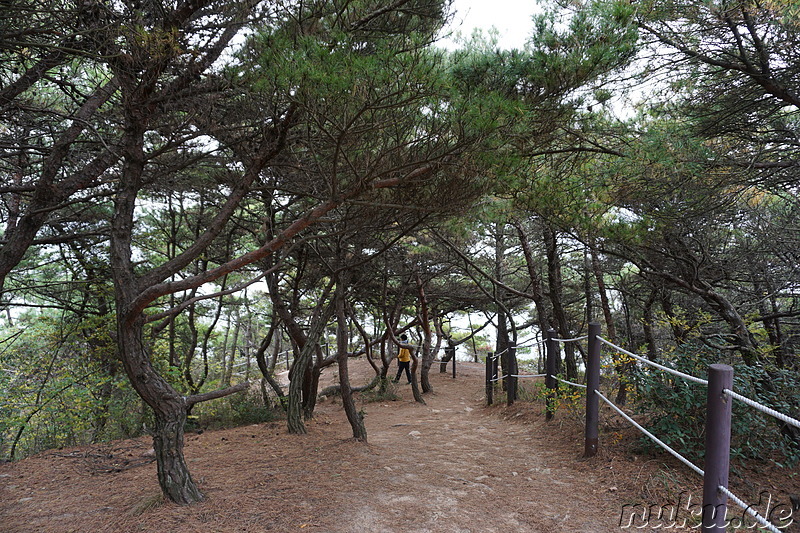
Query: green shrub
x=235, y=410
x=385, y=391
x=675, y=409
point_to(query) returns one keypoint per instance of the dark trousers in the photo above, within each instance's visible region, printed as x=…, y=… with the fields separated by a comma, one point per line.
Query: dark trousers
x=403, y=366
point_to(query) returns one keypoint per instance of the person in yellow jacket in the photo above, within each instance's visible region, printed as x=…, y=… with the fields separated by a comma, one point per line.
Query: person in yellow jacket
x=403, y=359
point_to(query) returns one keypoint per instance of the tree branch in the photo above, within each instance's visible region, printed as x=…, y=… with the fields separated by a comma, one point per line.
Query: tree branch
x=213, y=395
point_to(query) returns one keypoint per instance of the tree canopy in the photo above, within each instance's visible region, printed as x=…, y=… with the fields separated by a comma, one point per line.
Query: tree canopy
x=192, y=188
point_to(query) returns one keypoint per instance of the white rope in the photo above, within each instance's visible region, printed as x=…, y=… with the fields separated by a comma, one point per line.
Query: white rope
x=570, y=383
x=572, y=340
x=500, y=378
x=651, y=363
x=763, y=408
x=528, y=375
x=498, y=354
x=653, y=437
x=749, y=509
x=531, y=343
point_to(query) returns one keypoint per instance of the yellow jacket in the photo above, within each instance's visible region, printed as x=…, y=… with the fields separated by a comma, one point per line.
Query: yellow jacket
x=405, y=355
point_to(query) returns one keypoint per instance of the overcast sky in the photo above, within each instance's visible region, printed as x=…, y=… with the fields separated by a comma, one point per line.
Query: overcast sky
x=512, y=18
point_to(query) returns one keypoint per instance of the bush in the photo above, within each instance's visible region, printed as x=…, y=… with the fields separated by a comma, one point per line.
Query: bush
x=235, y=410
x=675, y=409
x=386, y=391
x=61, y=387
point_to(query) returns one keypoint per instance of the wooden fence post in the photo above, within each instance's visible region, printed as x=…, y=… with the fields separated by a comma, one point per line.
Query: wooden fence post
x=718, y=447
x=592, y=384
x=489, y=377
x=550, y=368
x=453, y=348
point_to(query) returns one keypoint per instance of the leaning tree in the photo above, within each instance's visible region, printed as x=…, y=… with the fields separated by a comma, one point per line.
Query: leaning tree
x=112, y=103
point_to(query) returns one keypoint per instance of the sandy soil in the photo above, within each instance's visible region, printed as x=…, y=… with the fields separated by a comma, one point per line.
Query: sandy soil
x=451, y=465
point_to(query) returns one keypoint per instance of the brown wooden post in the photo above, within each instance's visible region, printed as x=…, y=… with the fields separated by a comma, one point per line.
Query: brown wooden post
x=453, y=348
x=489, y=377
x=592, y=384
x=550, y=367
x=718, y=447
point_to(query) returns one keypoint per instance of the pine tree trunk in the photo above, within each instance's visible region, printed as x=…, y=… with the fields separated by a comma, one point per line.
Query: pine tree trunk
x=168, y=405
x=299, y=374
x=414, y=381
x=169, y=408
x=294, y=408
x=173, y=474
x=427, y=356
x=556, y=289
x=310, y=389
x=536, y=282
x=226, y=381
x=355, y=418
x=623, y=369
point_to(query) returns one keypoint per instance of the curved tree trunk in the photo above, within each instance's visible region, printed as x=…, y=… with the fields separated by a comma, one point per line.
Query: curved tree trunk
x=427, y=355
x=267, y=368
x=414, y=382
x=297, y=375
x=173, y=474
x=743, y=340
x=555, y=285
x=294, y=408
x=623, y=368
x=535, y=279
x=169, y=408
x=355, y=418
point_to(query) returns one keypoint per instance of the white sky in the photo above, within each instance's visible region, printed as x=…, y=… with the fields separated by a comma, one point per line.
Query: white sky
x=512, y=19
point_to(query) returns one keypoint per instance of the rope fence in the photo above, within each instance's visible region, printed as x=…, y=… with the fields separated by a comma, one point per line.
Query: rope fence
x=576, y=339
x=569, y=382
x=531, y=343
x=652, y=437
x=718, y=415
x=763, y=408
x=687, y=377
x=749, y=510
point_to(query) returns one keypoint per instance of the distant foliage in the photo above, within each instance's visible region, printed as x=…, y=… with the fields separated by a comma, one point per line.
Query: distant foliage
x=61, y=386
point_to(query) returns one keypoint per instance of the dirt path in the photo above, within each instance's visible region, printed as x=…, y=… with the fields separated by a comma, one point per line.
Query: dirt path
x=452, y=466
x=449, y=466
